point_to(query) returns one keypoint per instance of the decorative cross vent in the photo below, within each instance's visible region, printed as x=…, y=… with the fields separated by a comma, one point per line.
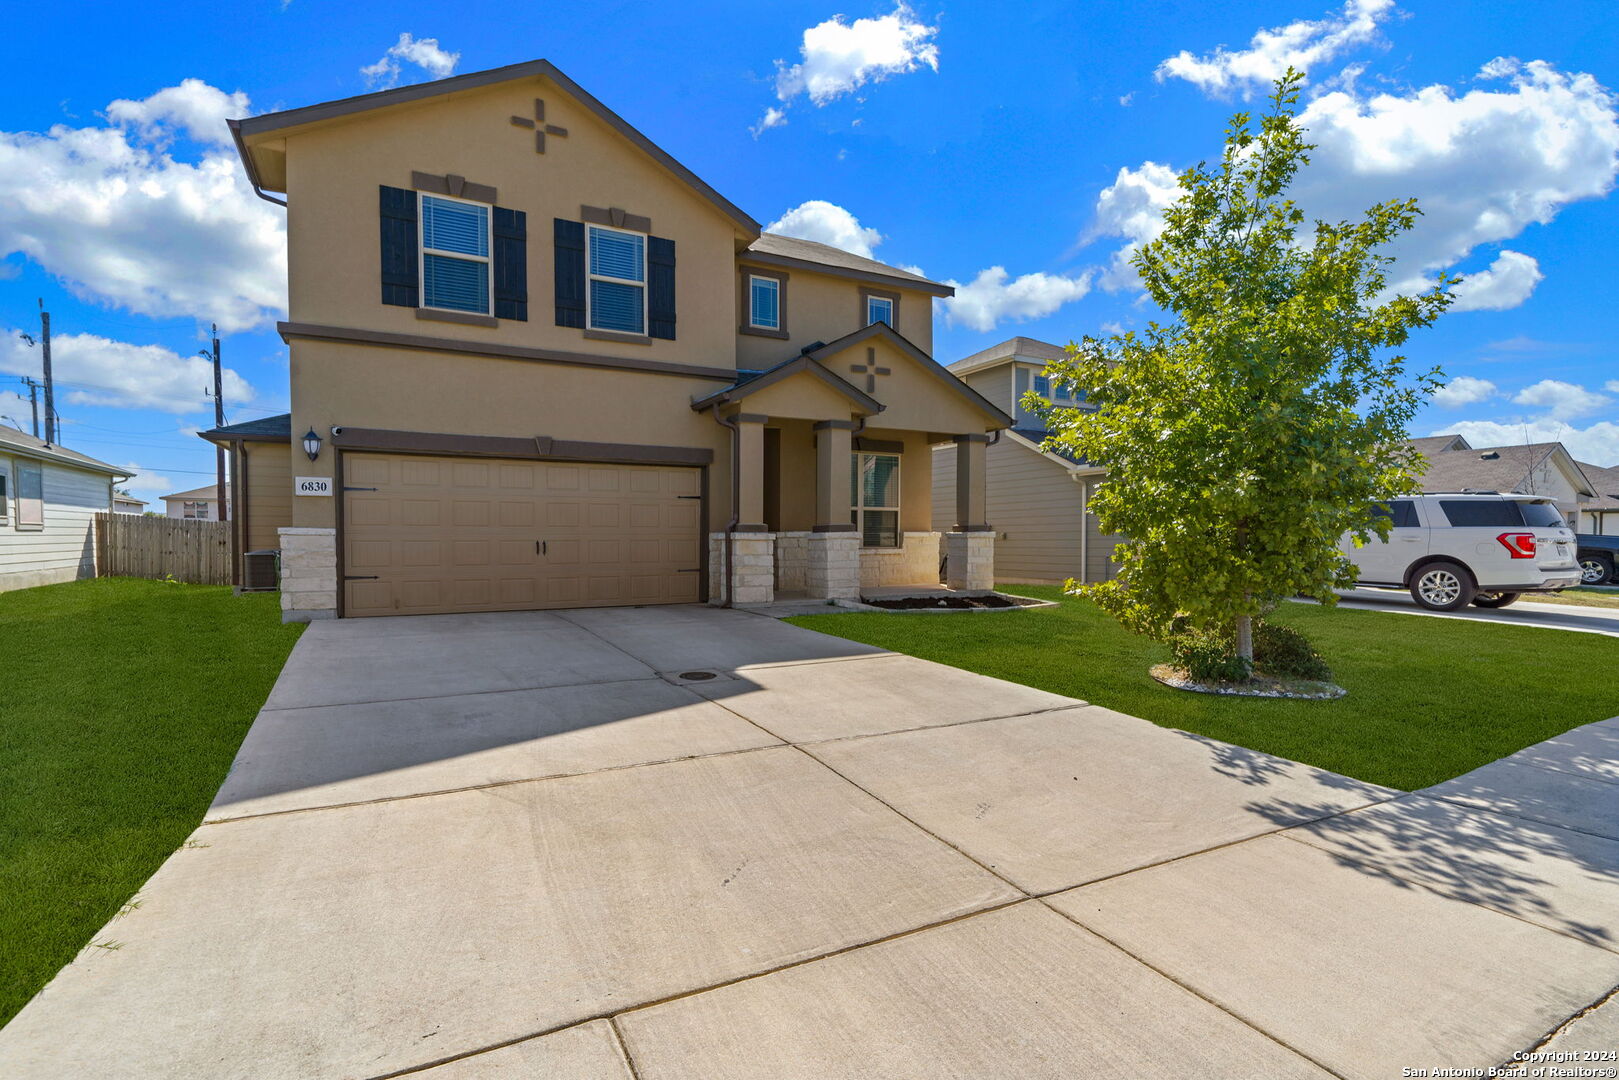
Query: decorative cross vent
x=870, y=370
x=538, y=125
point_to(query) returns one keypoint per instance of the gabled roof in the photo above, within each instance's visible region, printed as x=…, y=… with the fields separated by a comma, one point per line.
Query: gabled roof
x=773, y=249
x=276, y=428
x=752, y=382
x=13, y=441
x=1439, y=444
x=931, y=366
x=128, y=499
x=197, y=494
x=1606, y=482
x=1495, y=468
x=1017, y=347
x=1035, y=439
x=255, y=127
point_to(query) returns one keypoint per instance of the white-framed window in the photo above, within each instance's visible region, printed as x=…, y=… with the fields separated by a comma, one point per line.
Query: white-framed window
x=879, y=309
x=456, y=267
x=874, y=498
x=198, y=510
x=616, y=289
x=764, y=302
x=1042, y=386
x=5, y=495
x=30, y=495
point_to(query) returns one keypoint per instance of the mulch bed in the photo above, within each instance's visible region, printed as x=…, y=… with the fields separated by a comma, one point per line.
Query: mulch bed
x=914, y=603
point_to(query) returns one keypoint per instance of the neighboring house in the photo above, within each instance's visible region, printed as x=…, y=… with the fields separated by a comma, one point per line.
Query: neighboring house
x=198, y=504
x=49, y=497
x=1038, y=500
x=1601, y=515
x=127, y=504
x=1531, y=469
x=538, y=363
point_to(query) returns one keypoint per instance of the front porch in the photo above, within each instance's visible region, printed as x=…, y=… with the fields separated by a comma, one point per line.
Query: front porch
x=833, y=487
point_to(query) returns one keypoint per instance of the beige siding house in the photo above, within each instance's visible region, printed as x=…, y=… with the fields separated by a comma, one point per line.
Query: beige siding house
x=198, y=504
x=49, y=497
x=1036, y=500
x=1531, y=469
x=1600, y=516
x=539, y=363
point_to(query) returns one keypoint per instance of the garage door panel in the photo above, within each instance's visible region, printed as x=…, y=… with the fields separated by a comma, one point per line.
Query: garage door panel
x=444, y=534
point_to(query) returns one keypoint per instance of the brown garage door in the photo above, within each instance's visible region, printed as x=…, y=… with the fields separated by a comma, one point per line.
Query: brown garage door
x=425, y=535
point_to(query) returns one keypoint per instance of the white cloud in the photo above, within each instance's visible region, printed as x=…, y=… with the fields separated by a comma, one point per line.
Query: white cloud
x=1133, y=207
x=1464, y=390
x=990, y=298
x=1562, y=400
x=113, y=214
x=1126, y=99
x=1598, y=444
x=151, y=486
x=425, y=53
x=1484, y=166
x=773, y=117
x=837, y=58
x=96, y=371
x=1303, y=44
x=193, y=108
x=1611, y=386
x=827, y=223
x=1507, y=283
x=17, y=407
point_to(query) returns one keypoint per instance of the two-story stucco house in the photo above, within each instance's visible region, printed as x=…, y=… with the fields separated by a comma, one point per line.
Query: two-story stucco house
x=536, y=362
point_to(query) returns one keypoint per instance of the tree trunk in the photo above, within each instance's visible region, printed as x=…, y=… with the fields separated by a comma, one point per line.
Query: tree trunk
x=1245, y=639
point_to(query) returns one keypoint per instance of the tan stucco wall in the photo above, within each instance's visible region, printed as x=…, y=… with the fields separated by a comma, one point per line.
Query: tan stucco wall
x=823, y=308
x=333, y=173
x=409, y=390
x=799, y=397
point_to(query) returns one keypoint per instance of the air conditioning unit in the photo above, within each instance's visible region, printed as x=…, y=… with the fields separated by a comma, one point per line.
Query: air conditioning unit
x=261, y=571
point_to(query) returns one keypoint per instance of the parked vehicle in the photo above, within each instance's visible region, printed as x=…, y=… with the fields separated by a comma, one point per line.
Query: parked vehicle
x=1452, y=549
x=1598, y=555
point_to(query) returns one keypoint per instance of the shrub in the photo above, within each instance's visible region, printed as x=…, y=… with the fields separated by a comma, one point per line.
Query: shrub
x=1283, y=651
x=1208, y=657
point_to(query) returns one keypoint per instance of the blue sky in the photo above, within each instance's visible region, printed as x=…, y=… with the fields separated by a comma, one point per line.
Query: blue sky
x=1020, y=157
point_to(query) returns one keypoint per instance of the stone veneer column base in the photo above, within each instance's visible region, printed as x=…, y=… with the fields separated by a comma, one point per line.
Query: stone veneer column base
x=753, y=574
x=832, y=570
x=308, y=574
x=969, y=560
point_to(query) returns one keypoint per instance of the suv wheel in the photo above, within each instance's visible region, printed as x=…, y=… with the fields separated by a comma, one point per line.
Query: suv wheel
x=1442, y=586
x=1495, y=599
x=1595, y=569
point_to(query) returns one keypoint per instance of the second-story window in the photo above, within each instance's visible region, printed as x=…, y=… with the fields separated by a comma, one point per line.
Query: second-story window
x=764, y=303
x=879, y=309
x=617, y=293
x=455, y=255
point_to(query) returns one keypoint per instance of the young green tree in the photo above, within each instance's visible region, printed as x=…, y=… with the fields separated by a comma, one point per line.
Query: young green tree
x=1248, y=432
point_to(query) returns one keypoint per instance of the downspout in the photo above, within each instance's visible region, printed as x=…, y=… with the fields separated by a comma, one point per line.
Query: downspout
x=1084, y=529
x=729, y=546
x=247, y=163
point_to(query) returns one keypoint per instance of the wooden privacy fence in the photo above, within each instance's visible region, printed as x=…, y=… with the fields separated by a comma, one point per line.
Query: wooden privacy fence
x=131, y=545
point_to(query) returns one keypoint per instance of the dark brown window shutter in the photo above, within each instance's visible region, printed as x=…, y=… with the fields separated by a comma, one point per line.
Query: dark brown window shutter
x=511, y=264
x=660, y=301
x=400, y=283
x=569, y=240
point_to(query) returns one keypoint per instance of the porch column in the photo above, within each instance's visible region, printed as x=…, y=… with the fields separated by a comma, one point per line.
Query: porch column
x=970, y=548
x=833, y=568
x=750, y=505
x=970, y=502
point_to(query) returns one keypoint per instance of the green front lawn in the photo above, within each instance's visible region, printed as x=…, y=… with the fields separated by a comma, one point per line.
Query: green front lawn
x=1428, y=699
x=124, y=703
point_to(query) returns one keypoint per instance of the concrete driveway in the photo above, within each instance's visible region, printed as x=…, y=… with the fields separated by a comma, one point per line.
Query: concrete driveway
x=546, y=845
x=1589, y=620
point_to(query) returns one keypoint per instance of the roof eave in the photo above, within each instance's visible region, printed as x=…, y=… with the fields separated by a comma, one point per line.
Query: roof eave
x=765, y=258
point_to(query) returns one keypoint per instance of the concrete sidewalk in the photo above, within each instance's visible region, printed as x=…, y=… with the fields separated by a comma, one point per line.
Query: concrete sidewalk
x=707, y=844
x=1580, y=618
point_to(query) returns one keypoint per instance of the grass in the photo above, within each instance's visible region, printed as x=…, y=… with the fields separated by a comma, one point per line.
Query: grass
x=1428, y=699
x=124, y=703
x=1579, y=596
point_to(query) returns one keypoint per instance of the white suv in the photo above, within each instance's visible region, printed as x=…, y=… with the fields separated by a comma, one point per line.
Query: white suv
x=1455, y=548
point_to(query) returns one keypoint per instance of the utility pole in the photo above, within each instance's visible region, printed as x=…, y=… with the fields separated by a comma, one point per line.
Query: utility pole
x=33, y=401
x=50, y=392
x=219, y=422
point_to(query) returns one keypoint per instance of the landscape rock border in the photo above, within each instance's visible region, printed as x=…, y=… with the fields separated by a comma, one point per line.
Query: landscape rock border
x=1296, y=689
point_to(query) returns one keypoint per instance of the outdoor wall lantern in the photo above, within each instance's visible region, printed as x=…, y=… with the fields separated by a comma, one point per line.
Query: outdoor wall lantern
x=312, y=444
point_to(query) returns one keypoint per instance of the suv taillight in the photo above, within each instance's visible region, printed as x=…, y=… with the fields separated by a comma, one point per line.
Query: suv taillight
x=1518, y=545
